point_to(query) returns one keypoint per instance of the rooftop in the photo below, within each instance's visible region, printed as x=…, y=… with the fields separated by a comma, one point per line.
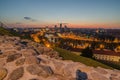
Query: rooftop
x=102, y=52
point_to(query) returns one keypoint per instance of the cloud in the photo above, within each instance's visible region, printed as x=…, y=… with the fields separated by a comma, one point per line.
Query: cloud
x=30, y=19
x=27, y=18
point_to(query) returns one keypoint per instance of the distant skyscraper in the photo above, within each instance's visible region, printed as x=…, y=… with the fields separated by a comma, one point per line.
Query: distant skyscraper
x=65, y=28
x=60, y=25
x=55, y=27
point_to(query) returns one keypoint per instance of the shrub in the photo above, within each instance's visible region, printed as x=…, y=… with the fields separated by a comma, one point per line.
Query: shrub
x=87, y=52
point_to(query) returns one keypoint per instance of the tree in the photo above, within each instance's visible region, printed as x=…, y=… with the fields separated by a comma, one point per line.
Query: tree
x=87, y=52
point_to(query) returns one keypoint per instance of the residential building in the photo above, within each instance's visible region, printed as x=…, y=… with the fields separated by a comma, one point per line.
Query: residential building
x=106, y=55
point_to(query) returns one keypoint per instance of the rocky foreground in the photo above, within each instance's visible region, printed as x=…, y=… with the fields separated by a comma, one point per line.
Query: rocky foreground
x=27, y=60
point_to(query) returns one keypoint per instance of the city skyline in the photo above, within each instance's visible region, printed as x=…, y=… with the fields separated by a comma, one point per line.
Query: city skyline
x=77, y=13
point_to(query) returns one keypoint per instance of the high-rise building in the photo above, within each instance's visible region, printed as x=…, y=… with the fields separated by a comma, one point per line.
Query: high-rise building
x=60, y=25
x=65, y=28
x=55, y=27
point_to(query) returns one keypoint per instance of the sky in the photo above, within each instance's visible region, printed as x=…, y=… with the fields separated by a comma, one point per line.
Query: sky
x=76, y=13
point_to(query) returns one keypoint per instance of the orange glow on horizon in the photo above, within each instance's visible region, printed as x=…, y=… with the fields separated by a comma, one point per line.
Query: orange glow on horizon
x=95, y=25
x=70, y=25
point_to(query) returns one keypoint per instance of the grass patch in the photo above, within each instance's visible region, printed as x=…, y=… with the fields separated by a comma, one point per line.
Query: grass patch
x=67, y=55
x=8, y=32
x=4, y=31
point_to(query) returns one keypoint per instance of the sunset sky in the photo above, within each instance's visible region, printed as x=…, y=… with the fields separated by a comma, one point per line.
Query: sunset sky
x=77, y=13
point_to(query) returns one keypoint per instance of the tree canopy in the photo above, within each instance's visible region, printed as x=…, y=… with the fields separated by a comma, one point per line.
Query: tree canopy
x=87, y=52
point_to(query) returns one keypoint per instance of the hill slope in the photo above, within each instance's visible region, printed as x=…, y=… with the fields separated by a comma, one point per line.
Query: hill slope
x=9, y=32
x=4, y=31
x=67, y=55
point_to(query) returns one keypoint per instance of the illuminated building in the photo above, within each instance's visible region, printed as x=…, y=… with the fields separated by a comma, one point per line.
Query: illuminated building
x=106, y=55
x=52, y=37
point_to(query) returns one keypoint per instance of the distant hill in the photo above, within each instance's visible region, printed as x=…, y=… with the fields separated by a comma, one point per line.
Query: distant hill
x=4, y=31
x=9, y=32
